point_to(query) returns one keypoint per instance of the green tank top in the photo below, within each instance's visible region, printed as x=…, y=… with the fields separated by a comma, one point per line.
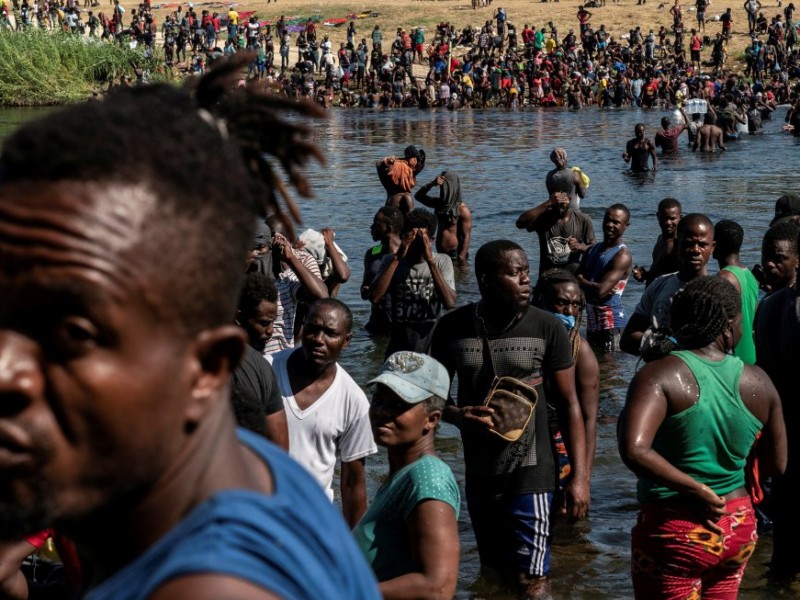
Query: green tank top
x=746, y=348
x=710, y=440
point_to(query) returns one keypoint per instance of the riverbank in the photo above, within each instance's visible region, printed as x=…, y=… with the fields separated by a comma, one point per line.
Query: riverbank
x=619, y=18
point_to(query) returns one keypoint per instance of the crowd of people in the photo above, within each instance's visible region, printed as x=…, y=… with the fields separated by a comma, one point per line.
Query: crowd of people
x=498, y=63
x=125, y=376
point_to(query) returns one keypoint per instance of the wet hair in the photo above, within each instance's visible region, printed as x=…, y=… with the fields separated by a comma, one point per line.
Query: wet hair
x=334, y=304
x=395, y=217
x=489, y=258
x=729, y=236
x=668, y=204
x=699, y=313
x=434, y=403
x=206, y=154
x=419, y=217
x=547, y=281
x=257, y=287
x=665, y=122
x=709, y=118
x=621, y=207
x=787, y=231
x=693, y=219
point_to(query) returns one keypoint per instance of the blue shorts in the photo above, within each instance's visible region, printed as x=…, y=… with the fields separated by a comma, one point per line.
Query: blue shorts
x=513, y=533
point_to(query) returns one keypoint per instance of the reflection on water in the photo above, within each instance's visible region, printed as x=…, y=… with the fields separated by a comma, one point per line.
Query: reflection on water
x=502, y=158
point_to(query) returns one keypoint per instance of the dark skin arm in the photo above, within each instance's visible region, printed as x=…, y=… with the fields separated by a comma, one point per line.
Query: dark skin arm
x=277, y=429
x=13, y=585
x=576, y=492
x=601, y=290
x=631, y=339
x=313, y=286
x=341, y=272
x=587, y=382
x=528, y=219
x=354, y=491
x=646, y=408
x=433, y=535
x=652, y=150
x=762, y=399
x=445, y=292
x=380, y=287
x=464, y=232
x=422, y=193
x=364, y=283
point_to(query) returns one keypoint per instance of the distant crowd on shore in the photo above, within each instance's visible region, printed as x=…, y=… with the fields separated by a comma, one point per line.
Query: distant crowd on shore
x=498, y=63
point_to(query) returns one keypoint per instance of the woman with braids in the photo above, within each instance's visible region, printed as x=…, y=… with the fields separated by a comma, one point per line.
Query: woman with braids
x=558, y=292
x=690, y=421
x=122, y=249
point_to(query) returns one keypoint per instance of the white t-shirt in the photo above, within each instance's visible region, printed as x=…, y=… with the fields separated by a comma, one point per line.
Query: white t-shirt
x=337, y=424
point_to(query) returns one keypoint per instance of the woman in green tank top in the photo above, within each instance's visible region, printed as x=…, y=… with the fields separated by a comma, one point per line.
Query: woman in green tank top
x=690, y=421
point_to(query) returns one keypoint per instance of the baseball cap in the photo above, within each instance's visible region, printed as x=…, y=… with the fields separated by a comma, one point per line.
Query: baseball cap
x=787, y=205
x=414, y=377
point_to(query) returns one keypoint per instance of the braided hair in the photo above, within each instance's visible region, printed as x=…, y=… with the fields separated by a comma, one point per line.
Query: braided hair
x=547, y=281
x=702, y=310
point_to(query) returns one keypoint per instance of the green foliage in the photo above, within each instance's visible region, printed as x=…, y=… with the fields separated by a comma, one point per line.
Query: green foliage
x=40, y=68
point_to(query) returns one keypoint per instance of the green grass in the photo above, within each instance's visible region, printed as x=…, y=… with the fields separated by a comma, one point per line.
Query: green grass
x=40, y=68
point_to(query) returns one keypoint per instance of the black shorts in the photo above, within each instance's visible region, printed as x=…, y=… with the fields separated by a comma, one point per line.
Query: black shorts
x=695, y=55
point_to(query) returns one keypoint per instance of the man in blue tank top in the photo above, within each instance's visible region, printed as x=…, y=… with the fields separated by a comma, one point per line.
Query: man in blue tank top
x=120, y=276
x=603, y=276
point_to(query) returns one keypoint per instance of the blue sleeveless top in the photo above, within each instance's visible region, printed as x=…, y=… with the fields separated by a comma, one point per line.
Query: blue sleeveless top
x=609, y=314
x=293, y=543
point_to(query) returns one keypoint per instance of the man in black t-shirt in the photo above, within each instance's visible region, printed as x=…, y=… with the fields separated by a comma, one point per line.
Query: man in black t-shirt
x=510, y=485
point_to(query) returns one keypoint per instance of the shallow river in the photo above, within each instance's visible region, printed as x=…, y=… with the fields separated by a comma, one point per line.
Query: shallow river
x=502, y=158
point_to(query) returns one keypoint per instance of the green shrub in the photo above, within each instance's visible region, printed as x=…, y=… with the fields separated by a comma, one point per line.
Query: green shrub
x=41, y=68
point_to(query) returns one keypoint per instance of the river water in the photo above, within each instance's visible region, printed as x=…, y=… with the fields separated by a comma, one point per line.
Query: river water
x=502, y=158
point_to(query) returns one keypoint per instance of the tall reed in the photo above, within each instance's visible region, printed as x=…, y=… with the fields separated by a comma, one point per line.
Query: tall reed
x=40, y=68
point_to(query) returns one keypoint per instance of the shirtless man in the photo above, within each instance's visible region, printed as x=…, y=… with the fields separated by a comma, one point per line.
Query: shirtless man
x=665, y=259
x=454, y=230
x=638, y=149
x=398, y=177
x=709, y=136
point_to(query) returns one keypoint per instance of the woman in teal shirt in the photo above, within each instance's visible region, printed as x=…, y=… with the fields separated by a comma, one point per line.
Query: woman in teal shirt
x=409, y=534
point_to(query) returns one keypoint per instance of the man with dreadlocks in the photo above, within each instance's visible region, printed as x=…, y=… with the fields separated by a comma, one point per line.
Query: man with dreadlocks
x=558, y=292
x=116, y=425
x=689, y=423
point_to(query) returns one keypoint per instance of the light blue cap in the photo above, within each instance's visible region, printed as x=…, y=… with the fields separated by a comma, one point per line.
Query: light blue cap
x=414, y=377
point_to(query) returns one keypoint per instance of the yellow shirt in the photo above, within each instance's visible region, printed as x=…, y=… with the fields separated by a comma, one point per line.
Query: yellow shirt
x=233, y=17
x=550, y=45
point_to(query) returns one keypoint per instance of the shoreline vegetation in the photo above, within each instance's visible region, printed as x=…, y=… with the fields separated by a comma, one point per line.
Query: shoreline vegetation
x=41, y=67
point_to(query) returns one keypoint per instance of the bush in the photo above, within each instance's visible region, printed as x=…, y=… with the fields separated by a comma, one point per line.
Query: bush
x=40, y=68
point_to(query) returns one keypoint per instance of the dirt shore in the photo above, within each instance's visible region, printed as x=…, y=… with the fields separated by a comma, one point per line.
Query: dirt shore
x=618, y=18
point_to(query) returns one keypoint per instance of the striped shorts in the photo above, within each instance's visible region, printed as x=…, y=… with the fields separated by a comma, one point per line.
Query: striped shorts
x=513, y=532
